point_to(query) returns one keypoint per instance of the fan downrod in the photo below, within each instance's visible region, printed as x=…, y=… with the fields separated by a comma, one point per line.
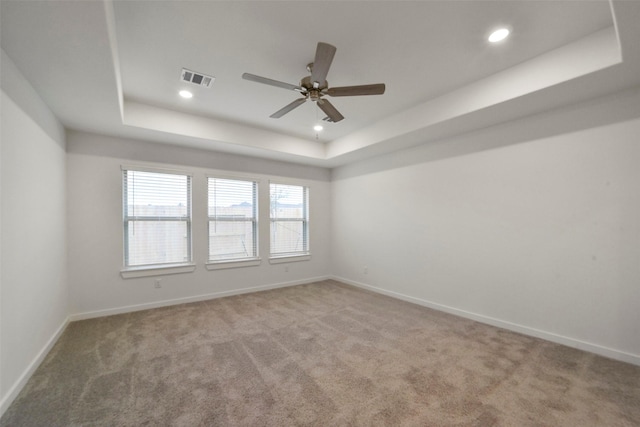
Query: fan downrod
x=310, y=85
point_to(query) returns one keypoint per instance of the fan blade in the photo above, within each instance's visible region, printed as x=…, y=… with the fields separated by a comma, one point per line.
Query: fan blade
x=281, y=112
x=264, y=80
x=322, y=62
x=330, y=110
x=377, y=89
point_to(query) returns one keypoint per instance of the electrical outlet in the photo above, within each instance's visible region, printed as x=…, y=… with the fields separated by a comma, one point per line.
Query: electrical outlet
x=365, y=269
x=286, y=268
x=158, y=284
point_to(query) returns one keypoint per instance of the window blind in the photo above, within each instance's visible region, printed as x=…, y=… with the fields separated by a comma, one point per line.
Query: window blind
x=289, y=212
x=232, y=219
x=157, y=218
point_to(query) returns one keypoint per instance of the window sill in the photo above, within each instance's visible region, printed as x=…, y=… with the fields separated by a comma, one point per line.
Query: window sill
x=134, y=272
x=289, y=258
x=220, y=265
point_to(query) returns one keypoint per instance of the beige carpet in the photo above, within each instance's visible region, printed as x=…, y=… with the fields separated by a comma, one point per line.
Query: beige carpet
x=324, y=354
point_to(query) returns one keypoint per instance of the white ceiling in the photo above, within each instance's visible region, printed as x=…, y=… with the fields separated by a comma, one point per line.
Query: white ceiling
x=114, y=67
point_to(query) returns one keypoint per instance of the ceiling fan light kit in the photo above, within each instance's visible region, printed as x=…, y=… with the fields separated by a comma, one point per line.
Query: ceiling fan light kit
x=315, y=86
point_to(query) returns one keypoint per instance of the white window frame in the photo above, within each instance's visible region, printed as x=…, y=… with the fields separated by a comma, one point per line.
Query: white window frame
x=133, y=271
x=305, y=254
x=251, y=261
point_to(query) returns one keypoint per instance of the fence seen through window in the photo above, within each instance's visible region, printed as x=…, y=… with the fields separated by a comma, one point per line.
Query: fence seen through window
x=233, y=225
x=157, y=218
x=289, y=212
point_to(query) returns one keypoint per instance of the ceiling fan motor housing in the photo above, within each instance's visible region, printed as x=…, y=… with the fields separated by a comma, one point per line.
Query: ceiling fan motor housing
x=314, y=93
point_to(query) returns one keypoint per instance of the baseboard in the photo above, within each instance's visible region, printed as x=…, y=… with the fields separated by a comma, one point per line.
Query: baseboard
x=185, y=300
x=525, y=330
x=15, y=389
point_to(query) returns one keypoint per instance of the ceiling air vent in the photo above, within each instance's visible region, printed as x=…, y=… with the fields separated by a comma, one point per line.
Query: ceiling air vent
x=196, y=78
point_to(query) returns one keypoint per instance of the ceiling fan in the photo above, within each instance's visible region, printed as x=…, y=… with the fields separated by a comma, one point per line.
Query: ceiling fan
x=315, y=86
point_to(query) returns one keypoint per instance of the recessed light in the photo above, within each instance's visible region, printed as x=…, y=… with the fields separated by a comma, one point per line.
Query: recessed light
x=318, y=128
x=498, y=35
x=185, y=94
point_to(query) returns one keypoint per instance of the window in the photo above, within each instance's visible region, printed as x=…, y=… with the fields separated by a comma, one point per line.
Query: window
x=233, y=221
x=157, y=218
x=289, y=220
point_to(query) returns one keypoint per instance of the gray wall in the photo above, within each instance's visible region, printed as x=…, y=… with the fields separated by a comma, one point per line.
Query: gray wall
x=33, y=271
x=533, y=225
x=94, y=180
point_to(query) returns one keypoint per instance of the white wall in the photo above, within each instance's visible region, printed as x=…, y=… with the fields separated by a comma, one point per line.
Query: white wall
x=33, y=266
x=533, y=225
x=94, y=181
